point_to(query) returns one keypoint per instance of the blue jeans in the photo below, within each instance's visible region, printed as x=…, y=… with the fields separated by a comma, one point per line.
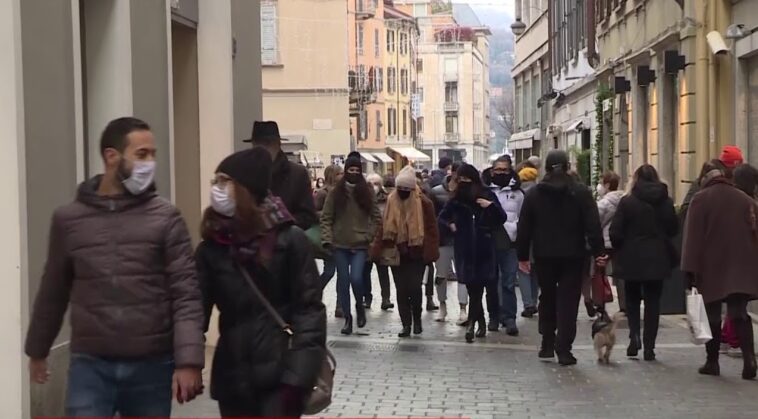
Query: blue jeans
x=507, y=265
x=530, y=290
x=350, y=265
x=101, y=388
x=329, y=270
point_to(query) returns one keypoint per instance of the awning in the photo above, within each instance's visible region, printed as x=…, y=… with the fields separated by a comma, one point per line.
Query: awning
x=411, y=153
x=577, y=125
x=523, y=139
x=369, y=157
x=384, y=158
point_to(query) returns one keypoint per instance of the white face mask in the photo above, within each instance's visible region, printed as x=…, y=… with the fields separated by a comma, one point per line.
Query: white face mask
x=141, y=178
x=221, y=202
x=600, y=189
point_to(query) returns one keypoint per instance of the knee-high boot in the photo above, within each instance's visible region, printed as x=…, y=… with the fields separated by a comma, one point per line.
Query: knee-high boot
x=745, y=333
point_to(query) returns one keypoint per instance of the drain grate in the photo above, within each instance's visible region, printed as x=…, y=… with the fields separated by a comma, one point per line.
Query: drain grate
x=375, y=347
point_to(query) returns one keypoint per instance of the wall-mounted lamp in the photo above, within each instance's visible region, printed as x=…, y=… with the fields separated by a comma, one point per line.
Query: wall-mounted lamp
x=621, y=85
x=645, y=76
x=673, y=62
x=518, y=27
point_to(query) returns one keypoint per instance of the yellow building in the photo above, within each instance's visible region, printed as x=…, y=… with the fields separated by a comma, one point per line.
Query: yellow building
x=305, y=53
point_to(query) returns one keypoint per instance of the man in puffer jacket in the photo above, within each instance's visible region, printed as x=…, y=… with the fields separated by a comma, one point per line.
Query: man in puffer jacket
x=121, y=257
x=507, y=187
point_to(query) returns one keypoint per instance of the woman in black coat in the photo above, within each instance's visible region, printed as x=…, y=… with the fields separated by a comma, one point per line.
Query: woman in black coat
x=259, y=370
x=473, y=215
x=641, y=232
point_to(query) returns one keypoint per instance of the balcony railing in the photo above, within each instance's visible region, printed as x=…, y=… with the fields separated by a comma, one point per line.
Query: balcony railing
x=452, y=137
x=364, y=9
x=451, y=106
x=450, y=47
x=450, y=77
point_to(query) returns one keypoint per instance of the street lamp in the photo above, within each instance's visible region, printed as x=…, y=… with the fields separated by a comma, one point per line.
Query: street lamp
x=518, y=27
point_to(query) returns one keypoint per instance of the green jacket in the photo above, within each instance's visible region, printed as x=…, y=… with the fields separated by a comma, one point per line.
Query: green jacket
x=349, y=227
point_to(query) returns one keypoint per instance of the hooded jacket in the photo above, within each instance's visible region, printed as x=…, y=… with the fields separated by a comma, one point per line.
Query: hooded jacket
x=558, y=219
x=641, y=233
x=124, y=264
x=606, y=207
x=511, y=199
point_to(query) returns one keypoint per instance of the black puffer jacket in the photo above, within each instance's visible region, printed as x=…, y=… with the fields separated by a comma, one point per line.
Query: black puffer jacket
x=641, y=232
x=559, y=218
x=252, y=353
x=439, y=196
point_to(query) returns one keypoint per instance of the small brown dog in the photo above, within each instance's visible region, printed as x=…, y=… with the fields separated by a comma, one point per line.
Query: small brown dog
x=605, y=335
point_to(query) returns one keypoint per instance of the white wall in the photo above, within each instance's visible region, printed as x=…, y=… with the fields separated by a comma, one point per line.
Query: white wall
x=14, y=388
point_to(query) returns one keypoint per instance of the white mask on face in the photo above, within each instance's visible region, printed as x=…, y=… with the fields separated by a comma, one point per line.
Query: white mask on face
x=141, y=178
x=221, y=202
x=600, y=189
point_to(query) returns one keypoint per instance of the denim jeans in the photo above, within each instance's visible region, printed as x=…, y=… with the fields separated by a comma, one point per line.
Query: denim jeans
x=326, y=276
x=529, y=289
x=100, y=387
x=350, y=265
x=507, y=265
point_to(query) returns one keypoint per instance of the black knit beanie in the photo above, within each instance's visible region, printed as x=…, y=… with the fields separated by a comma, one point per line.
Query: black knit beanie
x=250, y=168
x=353, y=161
x=557, y=159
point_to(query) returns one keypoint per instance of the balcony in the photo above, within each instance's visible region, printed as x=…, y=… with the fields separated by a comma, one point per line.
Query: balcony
x=364, y=9
x=451, y=47
x=451, y=106
x=450, y=77
x=452, y=138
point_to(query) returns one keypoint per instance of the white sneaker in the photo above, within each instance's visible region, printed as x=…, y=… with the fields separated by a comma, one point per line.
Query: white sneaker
x=443, y=313
x=734, y=352
x=463, y=318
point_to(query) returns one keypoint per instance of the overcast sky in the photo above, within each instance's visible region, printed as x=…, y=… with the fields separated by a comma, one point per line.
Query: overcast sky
x=501, y=5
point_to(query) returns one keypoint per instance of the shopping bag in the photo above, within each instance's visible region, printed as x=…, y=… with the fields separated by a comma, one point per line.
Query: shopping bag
x=601, y=287
x=700, y=329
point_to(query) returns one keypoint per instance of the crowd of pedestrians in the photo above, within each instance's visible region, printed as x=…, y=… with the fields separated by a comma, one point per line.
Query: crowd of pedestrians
x=141, y=297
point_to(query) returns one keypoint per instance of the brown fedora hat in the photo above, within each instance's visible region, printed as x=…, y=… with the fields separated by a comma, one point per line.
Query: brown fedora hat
x=264, y=131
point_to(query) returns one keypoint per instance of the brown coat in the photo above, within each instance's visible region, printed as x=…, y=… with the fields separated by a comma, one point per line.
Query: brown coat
x=126, y=267
x=721, y=242
x=429, y=252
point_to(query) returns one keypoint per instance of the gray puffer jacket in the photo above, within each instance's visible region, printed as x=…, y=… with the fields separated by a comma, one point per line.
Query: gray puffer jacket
x=125, y=264
x=607, y=206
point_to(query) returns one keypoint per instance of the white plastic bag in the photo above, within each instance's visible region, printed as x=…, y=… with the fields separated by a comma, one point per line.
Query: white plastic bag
x=697, y=317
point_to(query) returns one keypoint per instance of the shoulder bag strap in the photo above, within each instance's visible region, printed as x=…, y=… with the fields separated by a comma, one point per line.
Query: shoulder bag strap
x=286, y=328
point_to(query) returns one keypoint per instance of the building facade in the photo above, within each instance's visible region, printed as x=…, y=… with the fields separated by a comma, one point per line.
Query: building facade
x=453, y=74
x=189, y=68
x=304, y=55
x=531, y=80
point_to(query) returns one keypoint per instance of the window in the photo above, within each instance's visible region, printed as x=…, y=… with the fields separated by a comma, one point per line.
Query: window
x=451, y=92
x=404, y=81
x=420, y=124
x=378, y=125
x=269, y=32
x=404, y=43
x=391, y=122
x=535, y=97
x=379, y=79
x=419, y=65
x=390, y=41
x=359, y=39
x=420, y=92
x=451, y=123
x=391, y=80
x=419, y=10
x=525, y=103
x=405, y=122
x=377, y=45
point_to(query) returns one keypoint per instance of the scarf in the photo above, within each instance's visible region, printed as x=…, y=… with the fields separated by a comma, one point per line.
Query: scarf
x=257, y=248
x=403, y=224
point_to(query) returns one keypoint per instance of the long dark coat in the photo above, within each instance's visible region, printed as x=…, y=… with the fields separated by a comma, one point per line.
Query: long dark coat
x=721, y=242
x=475, y=262
x=641, y=232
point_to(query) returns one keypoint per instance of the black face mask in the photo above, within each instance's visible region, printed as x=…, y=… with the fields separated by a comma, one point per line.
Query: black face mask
x=502, y=179
x=353, y=177
x=465, y=191
x=403, y=194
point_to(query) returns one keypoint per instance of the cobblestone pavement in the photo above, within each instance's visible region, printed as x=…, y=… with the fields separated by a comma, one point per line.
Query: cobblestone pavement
x=438, y=375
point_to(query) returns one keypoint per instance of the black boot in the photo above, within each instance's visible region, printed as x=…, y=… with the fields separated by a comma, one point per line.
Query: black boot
x=405, y=332
x=745, y=334
x=417, y=329
x=470, y=331
x=430, y=306
x=482, y=329
x=590, y=309
x=360, y=311
x=566, y=359
x=711, y=366
x=493, y=326
x=387, y=304
x=547, y=349
x=348, y=328
x=367, y=301
x=634, y=346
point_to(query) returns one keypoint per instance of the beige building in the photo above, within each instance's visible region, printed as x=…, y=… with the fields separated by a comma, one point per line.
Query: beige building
x=190, y=68
x=453, y=82
x=304, y=53
x=531, y=81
